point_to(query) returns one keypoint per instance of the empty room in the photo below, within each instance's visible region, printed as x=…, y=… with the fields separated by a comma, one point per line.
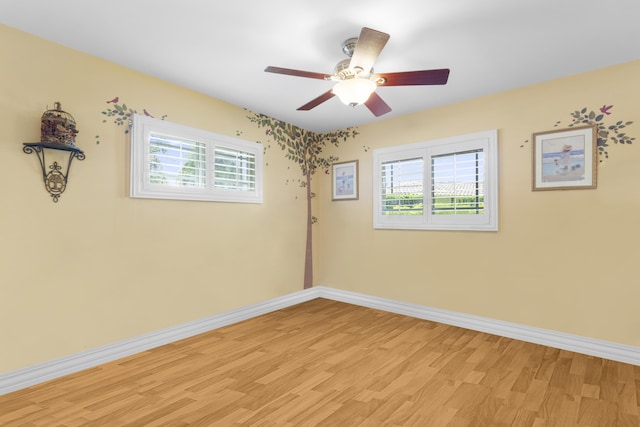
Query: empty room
x=422, y=213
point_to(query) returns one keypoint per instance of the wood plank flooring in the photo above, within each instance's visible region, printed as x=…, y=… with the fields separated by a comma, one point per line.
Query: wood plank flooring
x=328, y=363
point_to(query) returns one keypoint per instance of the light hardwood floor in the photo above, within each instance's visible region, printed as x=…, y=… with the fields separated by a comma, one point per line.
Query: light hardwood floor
x=334, y=364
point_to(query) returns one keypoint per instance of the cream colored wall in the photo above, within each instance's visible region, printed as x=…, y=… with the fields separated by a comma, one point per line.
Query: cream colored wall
x=98, y=266
x=562, y=260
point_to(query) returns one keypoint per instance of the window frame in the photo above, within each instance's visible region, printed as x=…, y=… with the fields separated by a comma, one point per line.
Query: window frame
x=487, y=221
x=140, y=186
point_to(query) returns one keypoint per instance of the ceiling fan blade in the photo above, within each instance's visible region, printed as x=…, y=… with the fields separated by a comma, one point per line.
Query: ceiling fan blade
x=376, y=105
x=414, y=78
x=297, y=73
x=370, y=44
x=317, y=101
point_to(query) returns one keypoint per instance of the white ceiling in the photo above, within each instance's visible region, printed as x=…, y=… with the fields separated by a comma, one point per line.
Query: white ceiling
x=220, y=48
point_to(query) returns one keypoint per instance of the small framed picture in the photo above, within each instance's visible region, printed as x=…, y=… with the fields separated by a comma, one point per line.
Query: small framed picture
x=565, y=159
x=345, y=180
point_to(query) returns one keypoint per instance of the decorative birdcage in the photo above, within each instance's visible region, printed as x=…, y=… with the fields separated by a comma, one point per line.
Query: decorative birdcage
x=58, y=126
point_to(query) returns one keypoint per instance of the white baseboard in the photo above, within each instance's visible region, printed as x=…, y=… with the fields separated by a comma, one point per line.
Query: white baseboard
x=56, y=368
x=593, y=347
x=39, y=373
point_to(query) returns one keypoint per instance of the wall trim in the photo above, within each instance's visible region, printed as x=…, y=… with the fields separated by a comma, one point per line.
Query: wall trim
x=31, y=375
x=56, y=368
x=576, y=343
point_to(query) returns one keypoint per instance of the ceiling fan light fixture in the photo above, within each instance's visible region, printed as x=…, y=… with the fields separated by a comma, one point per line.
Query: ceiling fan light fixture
x=354, y=91
x=354, y=77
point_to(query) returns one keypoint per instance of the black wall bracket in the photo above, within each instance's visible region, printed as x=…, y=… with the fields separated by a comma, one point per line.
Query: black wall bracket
x=55, y=180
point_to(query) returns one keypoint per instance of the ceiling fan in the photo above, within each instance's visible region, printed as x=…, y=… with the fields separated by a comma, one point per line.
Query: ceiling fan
x=355, y=77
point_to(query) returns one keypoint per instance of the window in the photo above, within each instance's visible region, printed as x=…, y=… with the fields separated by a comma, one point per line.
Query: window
x=447, y=184
x=171, y=161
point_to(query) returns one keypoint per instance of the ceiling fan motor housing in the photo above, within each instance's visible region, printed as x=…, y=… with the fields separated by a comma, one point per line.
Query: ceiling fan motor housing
x=343, y=72
x=349, y=45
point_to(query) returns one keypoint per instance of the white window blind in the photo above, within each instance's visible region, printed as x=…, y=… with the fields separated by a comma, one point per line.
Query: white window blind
x=172, y=161
x=402, y=187
x=457, y=183
x=234, y=169
x=177, y=162
x=447, y=184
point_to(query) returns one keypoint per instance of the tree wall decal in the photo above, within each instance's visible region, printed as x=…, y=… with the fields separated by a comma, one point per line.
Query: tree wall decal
x=304, y=148
x=606, y=132
x=611, y=132
x=121, y=115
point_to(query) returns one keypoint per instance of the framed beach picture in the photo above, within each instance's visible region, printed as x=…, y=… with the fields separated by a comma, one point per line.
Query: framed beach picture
x=345, y=180
x=565, y=159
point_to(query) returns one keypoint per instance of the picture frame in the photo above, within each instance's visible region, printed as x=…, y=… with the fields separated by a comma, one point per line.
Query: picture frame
x=565, y=159
x=344, y=179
